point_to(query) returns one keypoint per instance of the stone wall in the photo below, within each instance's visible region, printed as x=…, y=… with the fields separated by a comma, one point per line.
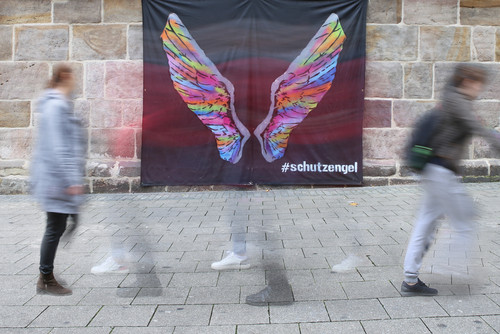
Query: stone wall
x=411, y=47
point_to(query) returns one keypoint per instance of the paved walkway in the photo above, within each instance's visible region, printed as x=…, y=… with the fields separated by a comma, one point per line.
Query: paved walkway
x=170, y=240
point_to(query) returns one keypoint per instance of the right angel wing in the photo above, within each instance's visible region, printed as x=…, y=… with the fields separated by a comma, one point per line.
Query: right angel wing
x=299, y=90
x=206, y=92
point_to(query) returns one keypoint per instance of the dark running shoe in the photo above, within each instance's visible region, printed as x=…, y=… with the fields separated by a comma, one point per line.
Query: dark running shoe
x=419, y=289
x=272, y=294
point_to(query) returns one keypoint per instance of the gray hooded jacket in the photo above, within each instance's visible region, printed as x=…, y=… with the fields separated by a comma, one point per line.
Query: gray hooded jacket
x=457, y=125
x=59, y=155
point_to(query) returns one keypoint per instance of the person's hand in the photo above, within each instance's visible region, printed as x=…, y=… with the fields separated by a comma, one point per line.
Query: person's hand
x=74, y=190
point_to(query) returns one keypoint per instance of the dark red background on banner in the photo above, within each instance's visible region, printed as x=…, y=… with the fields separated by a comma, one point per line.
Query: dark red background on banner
x=251, y=44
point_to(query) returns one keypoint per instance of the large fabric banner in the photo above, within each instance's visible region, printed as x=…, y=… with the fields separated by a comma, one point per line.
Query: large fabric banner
x=253, y=92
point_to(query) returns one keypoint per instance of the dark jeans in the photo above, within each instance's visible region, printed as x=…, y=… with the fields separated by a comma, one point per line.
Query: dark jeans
x=56, y=225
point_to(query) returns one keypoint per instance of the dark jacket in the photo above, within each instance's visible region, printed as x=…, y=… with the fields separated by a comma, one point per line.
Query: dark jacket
x=458, y=124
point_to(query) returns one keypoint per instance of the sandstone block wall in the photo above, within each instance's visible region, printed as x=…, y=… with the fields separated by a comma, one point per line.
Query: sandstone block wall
x=412, y=45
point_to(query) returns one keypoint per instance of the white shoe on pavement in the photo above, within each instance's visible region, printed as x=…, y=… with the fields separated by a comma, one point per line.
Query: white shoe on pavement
x=231, y=261
x=109, y=266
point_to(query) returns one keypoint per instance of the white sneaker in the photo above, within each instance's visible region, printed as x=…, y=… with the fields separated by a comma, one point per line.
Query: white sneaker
x=109, y=266
x=231, y=261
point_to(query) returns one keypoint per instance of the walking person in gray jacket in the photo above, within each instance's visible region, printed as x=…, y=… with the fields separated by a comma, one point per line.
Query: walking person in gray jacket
x=57, y=170
x=443, y=193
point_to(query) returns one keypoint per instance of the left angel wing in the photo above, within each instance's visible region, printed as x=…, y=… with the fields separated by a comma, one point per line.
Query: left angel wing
x=298, y=91
x=204, y=89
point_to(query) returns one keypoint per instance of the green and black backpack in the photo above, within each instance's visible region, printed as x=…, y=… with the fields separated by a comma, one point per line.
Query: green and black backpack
x=419, y=150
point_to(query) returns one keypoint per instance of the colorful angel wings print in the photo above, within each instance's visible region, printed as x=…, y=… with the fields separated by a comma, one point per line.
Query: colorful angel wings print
x=294, y=94
x=206, y=92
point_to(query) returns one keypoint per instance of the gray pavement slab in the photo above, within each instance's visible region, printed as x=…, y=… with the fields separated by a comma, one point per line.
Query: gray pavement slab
x=415, y=307
x=12, y=330
x=458, y=325
x=238, y=314
x=83, y=330
x=493, y=321
x=65, y=316
x=353, y=327
x=407, y=326
x=170, y=239
x=358, y=309
x=124, y=315
x=182, y=315
x=143, y=330
x=19, y=316
x=204, y=329
x=310, y=311
x=269, y=329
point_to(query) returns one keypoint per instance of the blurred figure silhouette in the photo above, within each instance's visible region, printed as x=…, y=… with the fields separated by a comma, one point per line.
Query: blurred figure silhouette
x=237, y=258
x=115, y=263
x=277, y=291
x=142, y=274
x=443, y=193
x=57, y=170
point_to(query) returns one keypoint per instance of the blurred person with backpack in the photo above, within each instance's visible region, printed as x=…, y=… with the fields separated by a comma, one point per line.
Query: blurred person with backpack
x=443, y=193
x=57, y=170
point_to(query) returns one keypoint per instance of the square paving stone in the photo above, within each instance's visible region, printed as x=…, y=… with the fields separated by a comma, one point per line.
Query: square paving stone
x=110, y=296
x=495, y=297
x=303, y=263
x=175, y=266
x=182, y=315
x=493, y=321
x=295, y=277
x=311, y=311
x=477, y=288
x=391, y=273
x=146, y=281
x=407, y=326
x=235, y=314
x=350, y=262
x=370, y=289
x=143, y=330
x=351, y=327
x=135, y=315
x=364, y=309
x=239, y=278
x=468, y=305
x=18, y=281
x=325, y=276
x=458, y=325
x=318, y=291
x=214, y=295
x=16, y=296
x=65, y=316
x=18, y=316
x=100, y=281
x=269, y=329
x=323, y=251
x=84, y=330
x=205, y=330
x=280, y=253
x=412, y=307
x=73, y=299
x=158, y=296
x=194, y=279
x=25, y=330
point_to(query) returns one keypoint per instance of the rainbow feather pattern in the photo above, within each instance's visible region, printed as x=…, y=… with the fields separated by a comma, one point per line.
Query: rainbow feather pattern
x=298, y=91
x=206, y=92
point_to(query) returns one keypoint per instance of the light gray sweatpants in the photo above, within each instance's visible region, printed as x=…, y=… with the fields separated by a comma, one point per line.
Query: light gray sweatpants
x=443, y=195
